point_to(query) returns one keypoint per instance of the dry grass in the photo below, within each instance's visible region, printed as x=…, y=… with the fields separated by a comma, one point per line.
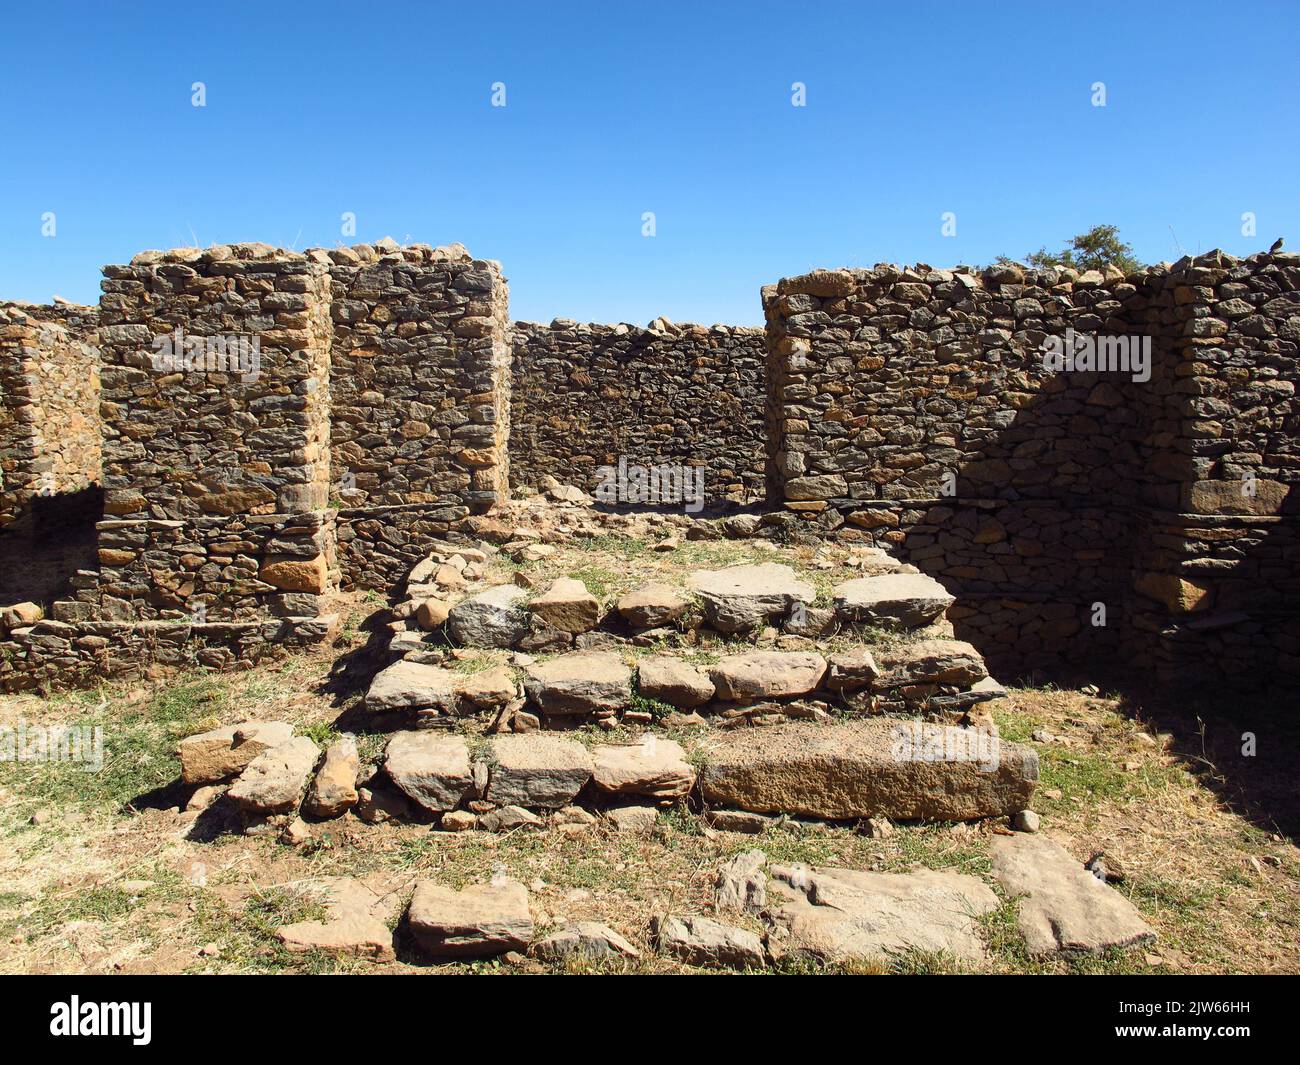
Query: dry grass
x=108, y=880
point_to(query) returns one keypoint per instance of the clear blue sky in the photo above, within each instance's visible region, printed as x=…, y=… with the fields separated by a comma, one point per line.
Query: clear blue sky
x=615, y=109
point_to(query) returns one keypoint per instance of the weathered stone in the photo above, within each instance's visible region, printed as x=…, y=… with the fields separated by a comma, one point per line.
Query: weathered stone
x=708, y=943
x=430, y=768
x=841, y=914
x=493, y=618
x=652, y=606
x=537, y=771
x=653, y=766
x=225, y=752
x=741, y=883
x=489, y=689
x=632, y=820
x=1065, y=907
x=767, y=674
x=431, y=613
x=296, y=574
x=354, y=925
x=477, y=922
x=585, y=940
x=903, y=770
x=582, y=682
x=851, y=670
x=275, y=780
x=508, y=818
x=901, y=600
x=334, y=788
x=673, y=681
x=408, y=685
x=567, y=606
x=949, y=662
x=743, y=597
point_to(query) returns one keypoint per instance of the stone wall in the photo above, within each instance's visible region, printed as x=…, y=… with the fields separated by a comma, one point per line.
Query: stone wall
x=49, y=408
x=912, y=407
x=585, y=395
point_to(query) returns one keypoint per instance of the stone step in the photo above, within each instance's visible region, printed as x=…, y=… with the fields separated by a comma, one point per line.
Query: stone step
x=881, y=767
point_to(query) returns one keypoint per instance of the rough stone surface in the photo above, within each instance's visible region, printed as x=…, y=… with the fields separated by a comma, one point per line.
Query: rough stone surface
x=477, y=922
x=492, y=618
x=673, y=681
x=741, y=883
x=225, y=752
x=567, y=606
x=537, y=771
x=407, y=685
x=741, y=598
x=1065, y=907
x=583, y=682
x=586, y=940
x=767, y=674
x=430, y=768
x=840, y=914
x=275, y=780
x=355, y=924
x=334, y=788
x=876, y=768
x=900, y=600
x=653, y=767
x=653, y=605
x=708, y=943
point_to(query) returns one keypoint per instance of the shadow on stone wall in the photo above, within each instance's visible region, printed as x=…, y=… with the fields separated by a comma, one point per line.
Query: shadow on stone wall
x=40, y=556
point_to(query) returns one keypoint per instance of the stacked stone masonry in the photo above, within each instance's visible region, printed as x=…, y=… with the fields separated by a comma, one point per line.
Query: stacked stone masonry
x=912, y=407
x=50, y=438
x=352, y=406
x=586, y=396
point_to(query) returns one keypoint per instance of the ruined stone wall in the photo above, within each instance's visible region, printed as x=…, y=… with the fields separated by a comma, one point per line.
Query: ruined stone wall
x=49, y=407
x=421, y=400
x=1217, y=575
x=584, y=395
x=913, y=408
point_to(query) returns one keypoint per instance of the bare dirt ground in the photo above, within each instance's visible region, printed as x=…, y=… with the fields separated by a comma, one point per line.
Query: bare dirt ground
x=99, y=873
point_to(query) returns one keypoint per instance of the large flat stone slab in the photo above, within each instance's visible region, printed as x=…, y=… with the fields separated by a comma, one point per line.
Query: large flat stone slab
x=581, y=682
x=842, y=914
x=708, y=943
x=355, y=924
x=275, y=780
x=225, y=752
x=567, y=606
x=536, y=770
x=413, y=686
x=741, y=598
x=1065, y=907
x=431, y=768
x=653, y=766
x=673, y=681
x=894, y=600
x=478, y=922
x=767, y=674
x=884, y=767
x=653, y=605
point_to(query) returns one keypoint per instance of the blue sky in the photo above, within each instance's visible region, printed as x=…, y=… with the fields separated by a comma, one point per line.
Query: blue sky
x=615, y=109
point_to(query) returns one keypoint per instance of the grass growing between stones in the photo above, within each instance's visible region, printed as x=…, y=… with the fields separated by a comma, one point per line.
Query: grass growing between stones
x=107, y=880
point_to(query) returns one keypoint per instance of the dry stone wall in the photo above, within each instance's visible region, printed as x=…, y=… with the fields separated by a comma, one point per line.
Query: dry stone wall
x=915, y=407
x=49, y=407
x=587, y=395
